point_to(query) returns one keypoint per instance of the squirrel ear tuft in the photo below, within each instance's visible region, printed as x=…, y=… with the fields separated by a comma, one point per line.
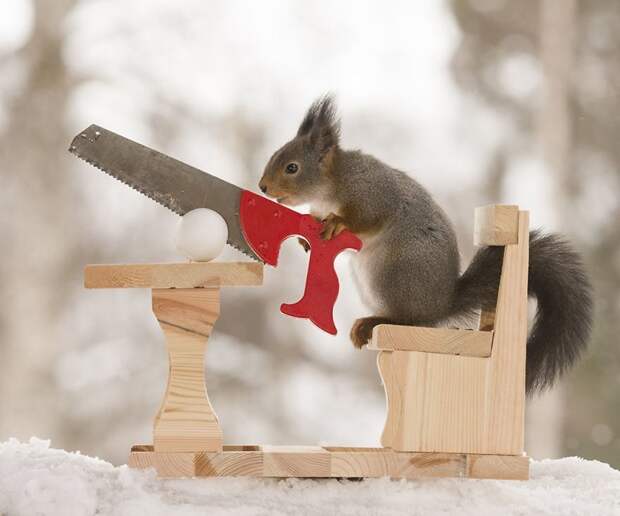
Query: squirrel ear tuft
x=322, y=124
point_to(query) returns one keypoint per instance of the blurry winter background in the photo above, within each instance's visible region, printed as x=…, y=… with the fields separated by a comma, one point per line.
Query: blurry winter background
x=480, y=100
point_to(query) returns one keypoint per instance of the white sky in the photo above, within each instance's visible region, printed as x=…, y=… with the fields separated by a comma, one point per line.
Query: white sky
x=271, y=59
x=15, y=23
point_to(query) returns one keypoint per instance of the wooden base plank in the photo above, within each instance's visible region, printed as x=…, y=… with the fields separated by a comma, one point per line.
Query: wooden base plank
x=167, y=465
x=327, y=462
x=508, y=467
x=295, y=461
x=230, y=464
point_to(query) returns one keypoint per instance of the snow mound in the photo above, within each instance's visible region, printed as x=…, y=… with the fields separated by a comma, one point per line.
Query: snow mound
x=38, y=480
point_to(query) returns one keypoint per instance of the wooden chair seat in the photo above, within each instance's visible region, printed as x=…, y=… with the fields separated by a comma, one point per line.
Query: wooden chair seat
x=472, y=343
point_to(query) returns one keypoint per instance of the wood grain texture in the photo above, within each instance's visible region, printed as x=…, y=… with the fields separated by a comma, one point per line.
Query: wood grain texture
x=174, y=275
x=186, y=421
x=464, y=404
x=230, y=464
x=167, y=465
x=505, y=404
x=194, y=309
x=360, y=462
x=417, y=465
x=507, y=467
x=381, y=462
x=393, y=398
x=432, y=340
x=295, y=461
x=441, y=402
x=496, y=224
x=325, y=462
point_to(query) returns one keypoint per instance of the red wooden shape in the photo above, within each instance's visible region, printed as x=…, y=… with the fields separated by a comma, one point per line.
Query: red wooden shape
x=266, y=224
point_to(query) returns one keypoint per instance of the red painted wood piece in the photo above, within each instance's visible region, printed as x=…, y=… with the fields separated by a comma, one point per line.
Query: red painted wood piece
x=266, y=224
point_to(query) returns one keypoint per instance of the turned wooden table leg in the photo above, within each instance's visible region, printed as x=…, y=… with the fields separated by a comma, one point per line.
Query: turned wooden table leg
x=186, y=421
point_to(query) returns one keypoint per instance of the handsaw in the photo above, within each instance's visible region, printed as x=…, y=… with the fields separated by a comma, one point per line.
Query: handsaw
x=257, y=226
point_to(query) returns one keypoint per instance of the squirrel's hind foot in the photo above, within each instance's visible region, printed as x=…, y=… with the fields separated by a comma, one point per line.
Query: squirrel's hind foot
x=361, y=332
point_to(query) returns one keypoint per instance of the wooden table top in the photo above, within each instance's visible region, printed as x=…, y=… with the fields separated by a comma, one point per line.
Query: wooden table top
x=174, y=275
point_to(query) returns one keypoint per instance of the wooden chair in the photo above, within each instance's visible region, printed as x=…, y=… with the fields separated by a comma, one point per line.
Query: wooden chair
x=463, y=391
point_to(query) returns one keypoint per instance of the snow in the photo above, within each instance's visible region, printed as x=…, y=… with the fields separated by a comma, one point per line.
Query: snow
x=38, y=480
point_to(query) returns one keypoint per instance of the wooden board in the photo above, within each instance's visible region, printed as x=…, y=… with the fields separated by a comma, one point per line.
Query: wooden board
x=174, y=275
x=432, y=340
x=436, y=402
x=506, y=402
x=327, y=462
x=193, y=309
x=295, y=461
x=496, y=224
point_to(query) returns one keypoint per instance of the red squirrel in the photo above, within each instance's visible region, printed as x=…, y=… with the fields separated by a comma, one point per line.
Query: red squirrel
x=408, y=268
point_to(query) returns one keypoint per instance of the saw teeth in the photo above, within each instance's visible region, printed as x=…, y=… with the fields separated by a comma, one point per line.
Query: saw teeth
x=242, y=251
x=73, y=151
x=130, y=185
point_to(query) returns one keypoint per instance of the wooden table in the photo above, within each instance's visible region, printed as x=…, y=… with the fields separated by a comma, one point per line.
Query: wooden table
x=186, y=302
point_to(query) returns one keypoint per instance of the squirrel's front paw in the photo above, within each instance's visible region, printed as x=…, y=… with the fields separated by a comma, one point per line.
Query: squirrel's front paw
x=333, y=225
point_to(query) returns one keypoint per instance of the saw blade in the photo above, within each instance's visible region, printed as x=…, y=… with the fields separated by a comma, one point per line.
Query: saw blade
x=169, y=182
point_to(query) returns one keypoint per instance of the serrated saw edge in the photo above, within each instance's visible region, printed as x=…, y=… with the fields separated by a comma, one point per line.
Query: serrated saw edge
x=135, y=187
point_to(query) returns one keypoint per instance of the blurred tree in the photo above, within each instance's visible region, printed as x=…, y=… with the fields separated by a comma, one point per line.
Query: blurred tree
x=549, y=68
x=38, y=200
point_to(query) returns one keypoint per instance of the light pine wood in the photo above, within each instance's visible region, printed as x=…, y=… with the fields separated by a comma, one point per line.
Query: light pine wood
x=506, y=374
x=418, y=465
x=435, y=403
x=174, y=275
x=347, y=462
x=327, y=462
x=186, y=421
x=506, y=467
x=432, y=340
x=393, y=398
x=295, y=461
x=428, y=402
x=167, y=465
x=230, y=463
x=496, y=225
x=464, y=404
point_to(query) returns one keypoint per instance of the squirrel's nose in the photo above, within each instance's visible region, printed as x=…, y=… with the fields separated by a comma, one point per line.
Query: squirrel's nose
x=263, y=188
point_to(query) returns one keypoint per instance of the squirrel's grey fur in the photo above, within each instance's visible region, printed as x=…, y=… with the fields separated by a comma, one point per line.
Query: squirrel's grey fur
x=408, y=269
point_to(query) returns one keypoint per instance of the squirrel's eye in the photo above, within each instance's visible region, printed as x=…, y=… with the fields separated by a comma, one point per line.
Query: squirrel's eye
x=291, y=168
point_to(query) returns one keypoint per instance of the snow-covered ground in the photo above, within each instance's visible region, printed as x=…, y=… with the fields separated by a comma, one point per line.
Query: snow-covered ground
x=36, y=479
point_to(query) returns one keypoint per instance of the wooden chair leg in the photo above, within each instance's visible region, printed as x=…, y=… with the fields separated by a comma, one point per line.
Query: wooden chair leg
x=186, y=421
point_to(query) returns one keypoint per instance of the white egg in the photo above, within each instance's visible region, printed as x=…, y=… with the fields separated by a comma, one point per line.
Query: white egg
x=201, y=234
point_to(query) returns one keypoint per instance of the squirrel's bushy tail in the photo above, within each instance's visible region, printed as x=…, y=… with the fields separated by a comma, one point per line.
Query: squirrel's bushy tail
x=558, y=281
